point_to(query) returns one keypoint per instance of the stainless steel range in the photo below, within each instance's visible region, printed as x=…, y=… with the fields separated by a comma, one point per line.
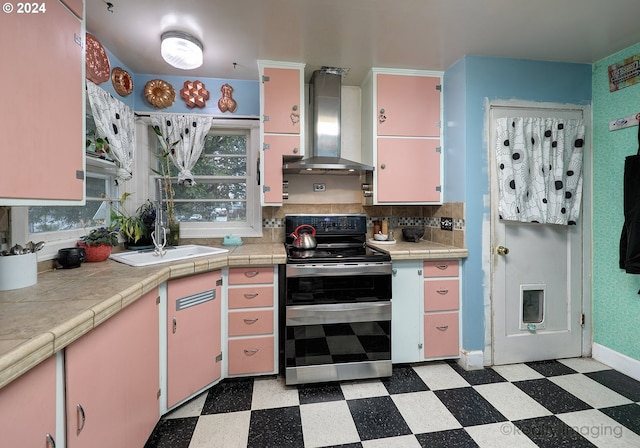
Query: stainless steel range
x=336, y=319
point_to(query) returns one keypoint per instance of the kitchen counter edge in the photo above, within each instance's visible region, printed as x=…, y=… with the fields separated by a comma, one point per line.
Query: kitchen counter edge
x=90, y=295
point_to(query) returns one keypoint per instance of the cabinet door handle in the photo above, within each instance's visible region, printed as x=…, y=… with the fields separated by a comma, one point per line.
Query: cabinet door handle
x=381, y=116
x=383, y=166
x=50, y=441
x=81, y=418
x=251, y=321
x=442, y=291
x=442, y=327
x=251, y=295
x=175, y=325
x=251, y=274
x=251, y=352
x=442, y=267
x=294, y=115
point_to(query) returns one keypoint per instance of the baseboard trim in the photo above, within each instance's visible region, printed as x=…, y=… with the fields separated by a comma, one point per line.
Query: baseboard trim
x=622, y=363
x=471, y=359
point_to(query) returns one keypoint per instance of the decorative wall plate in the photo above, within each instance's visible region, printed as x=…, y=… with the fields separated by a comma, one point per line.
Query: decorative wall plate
x=194, y=94
x=122, y=82
x=159, y=93
x=96, y=61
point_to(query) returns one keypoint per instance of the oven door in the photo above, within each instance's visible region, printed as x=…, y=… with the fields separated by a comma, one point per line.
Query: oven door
x=333, y=283
x=334, y=342
x=337, y=322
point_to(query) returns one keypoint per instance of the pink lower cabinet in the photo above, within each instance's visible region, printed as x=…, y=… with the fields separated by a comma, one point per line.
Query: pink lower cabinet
x=248, y=356
x=193, y=334
x=112, y=380
x=28, y=408
x=441, y=335
x=251, y=321
x=441, y=309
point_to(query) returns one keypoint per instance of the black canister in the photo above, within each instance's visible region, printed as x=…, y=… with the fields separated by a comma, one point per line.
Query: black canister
x=71, y=257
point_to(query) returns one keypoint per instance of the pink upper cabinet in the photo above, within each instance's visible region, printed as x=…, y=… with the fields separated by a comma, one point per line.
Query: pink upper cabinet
x=42, y=93
x=76, y=6
x=282, y=100
x=408, y=105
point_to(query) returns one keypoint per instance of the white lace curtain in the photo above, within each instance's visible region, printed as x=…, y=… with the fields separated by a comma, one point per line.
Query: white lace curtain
x=189, y=133
x=539, y=166
x=115, y=121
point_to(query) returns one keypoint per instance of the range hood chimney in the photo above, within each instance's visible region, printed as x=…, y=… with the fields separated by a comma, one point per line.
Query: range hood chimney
x=324, y=157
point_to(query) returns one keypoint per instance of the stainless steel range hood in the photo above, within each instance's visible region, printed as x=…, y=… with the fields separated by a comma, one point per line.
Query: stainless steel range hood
x=324, y=156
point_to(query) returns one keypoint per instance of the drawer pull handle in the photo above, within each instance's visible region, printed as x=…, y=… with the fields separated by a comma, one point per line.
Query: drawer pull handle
x=251, y=352
x=251, y=321
x=81, y=418
x=50, y=441
x=442, y=267
x=442, y=291
x=251, y=296
x=251, y=274
x=443, y=327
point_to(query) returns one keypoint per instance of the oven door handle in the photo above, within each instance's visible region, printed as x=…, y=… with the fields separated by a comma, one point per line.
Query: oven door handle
x=299, y=315
x=338, y=269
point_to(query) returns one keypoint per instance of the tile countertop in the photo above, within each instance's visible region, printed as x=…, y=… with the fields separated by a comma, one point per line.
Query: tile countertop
x=422, y=250
x=39, y=321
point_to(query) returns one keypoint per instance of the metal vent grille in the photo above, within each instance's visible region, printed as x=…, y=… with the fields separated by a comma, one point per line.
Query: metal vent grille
x=195, y=299
x=343, y=72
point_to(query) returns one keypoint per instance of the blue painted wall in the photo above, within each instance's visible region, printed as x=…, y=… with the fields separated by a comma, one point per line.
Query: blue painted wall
x=467, y=84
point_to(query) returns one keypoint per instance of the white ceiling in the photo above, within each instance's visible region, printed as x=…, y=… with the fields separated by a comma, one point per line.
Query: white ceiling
x=360, y=34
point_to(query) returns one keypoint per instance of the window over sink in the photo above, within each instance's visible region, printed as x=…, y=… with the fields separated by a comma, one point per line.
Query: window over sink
x=225, y=197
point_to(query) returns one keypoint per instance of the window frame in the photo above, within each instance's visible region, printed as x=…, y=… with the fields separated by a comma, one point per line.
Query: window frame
x=252, y=227
x=59, y=239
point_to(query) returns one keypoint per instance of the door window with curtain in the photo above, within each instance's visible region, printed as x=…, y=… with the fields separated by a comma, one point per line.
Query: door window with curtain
x=539, y=168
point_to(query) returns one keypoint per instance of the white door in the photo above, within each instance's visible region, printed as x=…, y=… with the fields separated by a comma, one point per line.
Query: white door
x=536, y=276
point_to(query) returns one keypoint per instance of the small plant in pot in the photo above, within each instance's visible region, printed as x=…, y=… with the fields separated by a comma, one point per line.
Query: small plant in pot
x=99, y=242
x=135, y=229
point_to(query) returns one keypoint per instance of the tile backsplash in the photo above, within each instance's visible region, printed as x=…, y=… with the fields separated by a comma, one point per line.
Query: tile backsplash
x=427, y=216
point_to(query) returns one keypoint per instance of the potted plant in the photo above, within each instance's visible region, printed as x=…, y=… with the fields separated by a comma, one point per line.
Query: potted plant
x=97, y=145
x=99, y=243
x=135, y=229
x=164, y=157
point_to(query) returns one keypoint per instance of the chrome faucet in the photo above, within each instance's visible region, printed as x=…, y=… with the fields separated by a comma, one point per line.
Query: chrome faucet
x=159, y=234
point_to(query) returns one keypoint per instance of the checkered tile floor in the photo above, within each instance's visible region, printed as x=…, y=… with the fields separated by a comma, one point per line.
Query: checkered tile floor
x=566, y=403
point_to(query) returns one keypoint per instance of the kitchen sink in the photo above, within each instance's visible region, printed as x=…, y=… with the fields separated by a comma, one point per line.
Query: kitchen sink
x=176, y=253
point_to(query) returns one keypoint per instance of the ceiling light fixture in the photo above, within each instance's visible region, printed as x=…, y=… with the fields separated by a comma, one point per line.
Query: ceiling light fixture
x=181, y=50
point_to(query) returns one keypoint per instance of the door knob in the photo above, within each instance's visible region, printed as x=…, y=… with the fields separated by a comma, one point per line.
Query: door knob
x=502, y=250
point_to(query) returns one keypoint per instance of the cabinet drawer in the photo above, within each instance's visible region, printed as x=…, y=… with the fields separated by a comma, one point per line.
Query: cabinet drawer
x=251, y=297
x=441, y=333
x=441, y=295
x=441, y=268
x=243, y=323
x=252, y=355
x=250, y=275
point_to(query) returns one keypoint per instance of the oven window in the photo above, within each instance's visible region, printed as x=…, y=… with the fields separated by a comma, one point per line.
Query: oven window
x=337, y=289
x=310, y=345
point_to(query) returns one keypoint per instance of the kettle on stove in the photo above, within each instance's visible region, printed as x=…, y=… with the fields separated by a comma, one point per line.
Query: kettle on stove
x=304, y=240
